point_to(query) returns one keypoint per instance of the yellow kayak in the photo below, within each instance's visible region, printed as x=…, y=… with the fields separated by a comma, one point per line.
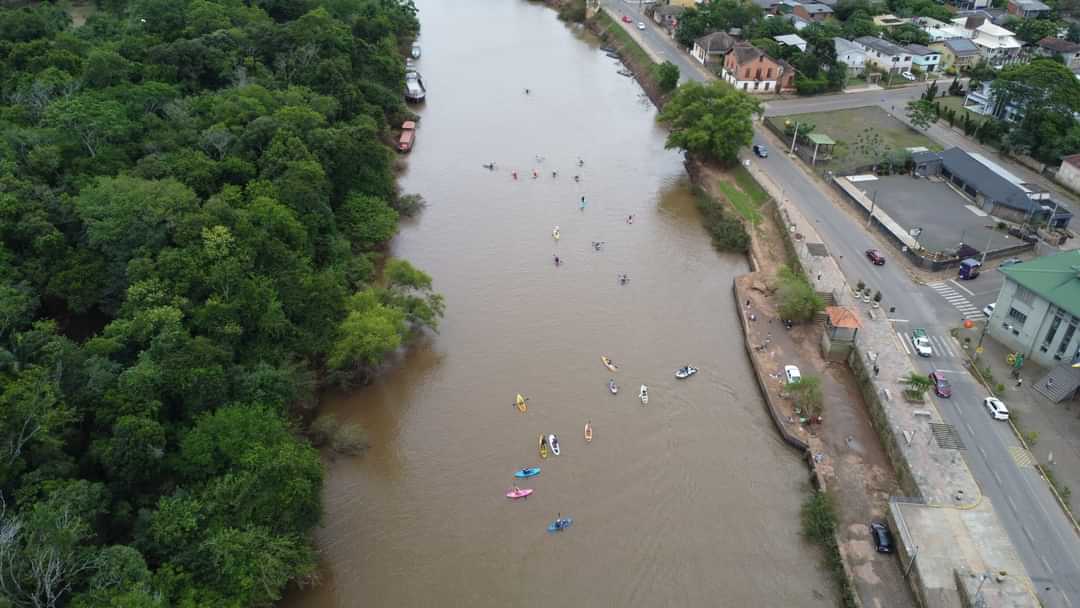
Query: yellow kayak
x=521, y=404
x=555, y=233
x=608, y=363
x=588, y=432
x=543, y=447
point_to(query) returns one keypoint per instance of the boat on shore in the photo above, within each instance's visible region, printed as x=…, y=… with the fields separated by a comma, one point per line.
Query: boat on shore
x=414, y=52
x=408, y=136
x=415, y=91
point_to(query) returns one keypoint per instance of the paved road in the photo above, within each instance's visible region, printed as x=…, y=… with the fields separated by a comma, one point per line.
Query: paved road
x=1045, y=540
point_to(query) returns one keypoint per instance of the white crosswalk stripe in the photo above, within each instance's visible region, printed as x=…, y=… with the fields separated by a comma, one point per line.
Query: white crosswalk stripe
x=956, y=300
x=943, y=347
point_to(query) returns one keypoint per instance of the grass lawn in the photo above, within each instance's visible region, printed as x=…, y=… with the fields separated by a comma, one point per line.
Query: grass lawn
x=741, y=201
x=863, y=135
x=629, y=45
x=742, y=191
x=957, y=103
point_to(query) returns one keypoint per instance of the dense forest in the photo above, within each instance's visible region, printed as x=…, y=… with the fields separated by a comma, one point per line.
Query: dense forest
x=193, y=196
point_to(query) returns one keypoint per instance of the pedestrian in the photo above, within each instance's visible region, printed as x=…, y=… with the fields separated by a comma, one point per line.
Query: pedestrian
x=554, y=174
x=876, y=370
x=1019, y=382
x=514, y=173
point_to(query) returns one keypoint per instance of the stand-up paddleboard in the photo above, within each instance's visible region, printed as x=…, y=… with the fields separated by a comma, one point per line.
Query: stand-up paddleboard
x=521, y=404
x=611, y=386
x=555, y=234
x=553, y=443
x=519, y=493
x=643, y=394
x=588, y=432
x=608, y=363
x=560, y=524
x=543, y=447
x=527, y=472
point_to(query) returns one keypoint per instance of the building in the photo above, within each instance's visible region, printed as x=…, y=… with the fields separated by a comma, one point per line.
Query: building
x=667, y=16
x=959, y=53
x=995, y=190
x=791, y=40
x=924, y=58
x=1027, y=9
x=1052, y=47
x=1038, y=309
x=996, y=44
x=889, y=22
x=885, y=55
x=771, y=7
x=812, y=12
x=969, y=5
x=684, y=3
x=1069, y=172
x=850, y=54
x=711, y=48
x=982, y=100
x=939, y=30
x=750, y=69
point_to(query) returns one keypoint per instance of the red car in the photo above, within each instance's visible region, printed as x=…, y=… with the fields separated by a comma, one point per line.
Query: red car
x=941, y=385
x=627, y=19
x=875, y=257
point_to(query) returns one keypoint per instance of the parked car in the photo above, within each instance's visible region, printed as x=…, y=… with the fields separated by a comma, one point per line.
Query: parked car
x=942, y=388
x=761, y=150
x=883, y=541
x=876, y=257
x=627, y=19
x=997, y=409
x=792, y=374
x=989, y=310
x=907, y=75
x=640, y=25
x=1010, y=261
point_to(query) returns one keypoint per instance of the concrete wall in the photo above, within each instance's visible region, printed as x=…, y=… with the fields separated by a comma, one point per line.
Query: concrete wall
x=1069, y=176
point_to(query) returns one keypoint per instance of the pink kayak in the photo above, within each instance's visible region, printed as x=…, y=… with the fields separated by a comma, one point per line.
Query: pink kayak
x=519, y=493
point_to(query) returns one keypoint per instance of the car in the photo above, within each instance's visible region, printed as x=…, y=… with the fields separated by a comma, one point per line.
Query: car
x=997, y=409
x=989, y=310
x=942, y=388
x=1010, y=262
x=792, y=374
x=640, y=25
x=876, y=257
x=907, y=75
x=761, y=150
x=883, y=541
x=627, y=19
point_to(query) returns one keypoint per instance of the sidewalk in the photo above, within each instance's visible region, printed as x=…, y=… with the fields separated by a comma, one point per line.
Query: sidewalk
x=1057, y=424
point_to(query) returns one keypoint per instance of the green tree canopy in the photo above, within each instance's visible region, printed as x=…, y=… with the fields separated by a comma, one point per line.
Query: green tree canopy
x=711, y=121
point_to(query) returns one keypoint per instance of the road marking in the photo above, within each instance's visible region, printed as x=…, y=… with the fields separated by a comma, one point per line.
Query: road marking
x=903, y=342
x=1022, y=457
x=1067, y=600
x=1012, y=505
x=972, y=431
x=950, y=371
x=962, y=288
x=1045, y=564
x=1028, y=535
x=975, y=210
x=899, y=321
x=996, y=478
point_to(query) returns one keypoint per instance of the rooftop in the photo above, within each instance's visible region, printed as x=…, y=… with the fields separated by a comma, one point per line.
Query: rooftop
x=840, y=316
x=1072, y=159
x=716, y=42
x=880, y=45
x=843, y=45
x=1055, y=278
x=918, y=49
x=790, y=40
x=820, y=139
x=961, y=47
x=669, y=10
x=814, y=8
x=1031, y=5
x=1059, y=45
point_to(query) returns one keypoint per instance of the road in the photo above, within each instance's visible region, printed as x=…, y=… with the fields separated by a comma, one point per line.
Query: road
x=1045, y=540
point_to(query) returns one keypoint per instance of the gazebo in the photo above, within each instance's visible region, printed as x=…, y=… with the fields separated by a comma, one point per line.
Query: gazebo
x=823, y=147
x=841, y=327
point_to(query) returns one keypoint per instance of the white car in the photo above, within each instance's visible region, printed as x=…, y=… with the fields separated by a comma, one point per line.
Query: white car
x=997, y=409
x=792, y=374
x=989, y=310
x=640, y=25
x=908, y=75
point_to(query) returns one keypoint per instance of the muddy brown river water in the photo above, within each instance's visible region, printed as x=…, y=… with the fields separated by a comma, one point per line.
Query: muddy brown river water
x=689, y=501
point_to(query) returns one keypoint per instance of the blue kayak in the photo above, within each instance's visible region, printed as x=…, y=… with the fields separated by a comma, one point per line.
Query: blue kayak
x=560, y=525
x=529, y=472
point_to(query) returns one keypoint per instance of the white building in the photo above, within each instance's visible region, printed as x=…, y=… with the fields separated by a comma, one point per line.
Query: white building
x=983, y=101
x=996, y=44
x=791, y=40
x=885, y=55
x=850, y=54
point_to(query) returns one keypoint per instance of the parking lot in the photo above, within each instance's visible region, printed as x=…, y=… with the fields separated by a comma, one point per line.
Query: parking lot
x=946, y=218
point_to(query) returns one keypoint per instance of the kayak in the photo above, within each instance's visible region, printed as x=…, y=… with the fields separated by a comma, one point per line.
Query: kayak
x=528, y=472
x=611, y=386
x=553, y=441
x=644, y=394
x=685, y=372
x=555, y=233
x=543, y=447
x=560, y=524
x=608, y=363
x=588, y=432
x=519, y=493
x=521, y=404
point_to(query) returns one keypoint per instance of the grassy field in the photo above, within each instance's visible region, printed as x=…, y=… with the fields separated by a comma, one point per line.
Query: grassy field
x=957, y=103
x=629, y=45
x=863, y=135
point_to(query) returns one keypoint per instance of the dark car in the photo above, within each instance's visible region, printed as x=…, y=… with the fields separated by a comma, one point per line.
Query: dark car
x=942, y=388
x=882, y=537
x=761, y=150
x=875, y=257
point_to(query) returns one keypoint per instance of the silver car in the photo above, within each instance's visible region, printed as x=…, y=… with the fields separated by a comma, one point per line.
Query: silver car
x=997, y=409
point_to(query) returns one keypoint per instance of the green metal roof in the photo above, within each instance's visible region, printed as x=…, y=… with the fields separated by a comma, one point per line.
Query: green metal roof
x=820, y=139
x=1055, y=278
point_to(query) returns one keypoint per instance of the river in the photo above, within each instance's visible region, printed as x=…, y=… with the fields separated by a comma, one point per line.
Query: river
x=691, y=500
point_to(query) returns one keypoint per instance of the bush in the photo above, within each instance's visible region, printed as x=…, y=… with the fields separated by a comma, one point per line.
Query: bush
x=798, y=300
x=728, y=233
x=818, y=516
x=573, y=11
x=808, y=395
x=409, y=205
x=347, y=439
x=666, y=75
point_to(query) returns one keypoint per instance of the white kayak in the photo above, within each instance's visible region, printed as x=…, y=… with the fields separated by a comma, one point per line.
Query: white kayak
x=644, y=394
x=555, y=234
x=685, y=372
x=611, y=386
x=553, y=442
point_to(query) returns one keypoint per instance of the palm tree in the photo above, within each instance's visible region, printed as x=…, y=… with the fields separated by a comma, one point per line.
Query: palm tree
x=917, y=384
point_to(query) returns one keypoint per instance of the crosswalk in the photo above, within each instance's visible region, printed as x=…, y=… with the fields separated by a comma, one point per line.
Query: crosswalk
x=957, y=300
x=943, y=346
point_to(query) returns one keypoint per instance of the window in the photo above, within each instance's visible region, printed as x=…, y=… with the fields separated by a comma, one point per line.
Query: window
x=1065, y=340
x=757, y=75
x=1017, y=316
x=746, y=75
x=766, y=86
x=756, y=84
x=908, y=58
x=1050, y=333
x=1024, y=294
x=768, y=74
x=745, y=85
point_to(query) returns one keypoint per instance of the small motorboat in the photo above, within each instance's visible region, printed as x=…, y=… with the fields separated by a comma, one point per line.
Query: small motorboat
x=543, y=446
x=555, y=234
x=624, y=73
x=520, y=403
x=588, y=432
x=611, y=386
x=560, y=524
x=613, y=54
x=608, y=49
x=553, y=442
x=527, y=472
x=685, y=372
x=415, y=51
x=516, y=493
x=643, y=394
x=608, y=363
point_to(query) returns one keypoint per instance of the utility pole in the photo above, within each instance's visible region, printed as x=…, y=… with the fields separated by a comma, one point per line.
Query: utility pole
x=985, y=249
x=873, y=205
x=793, y=138
x=1051, y=218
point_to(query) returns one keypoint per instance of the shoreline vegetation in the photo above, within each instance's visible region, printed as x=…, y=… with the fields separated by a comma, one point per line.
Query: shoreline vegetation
x=195, y=199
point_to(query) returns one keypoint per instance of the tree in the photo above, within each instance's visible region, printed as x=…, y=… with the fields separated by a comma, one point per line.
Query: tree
x=1042, y=83
x=931, y=91
x=808, y=395
x=798, y=300
x=369, y=332
x=909, y=34
x=93, y=121
x=667, y=76
x=921, y=113
x=1033, y=30
x=917, y=384
x=710, y=121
